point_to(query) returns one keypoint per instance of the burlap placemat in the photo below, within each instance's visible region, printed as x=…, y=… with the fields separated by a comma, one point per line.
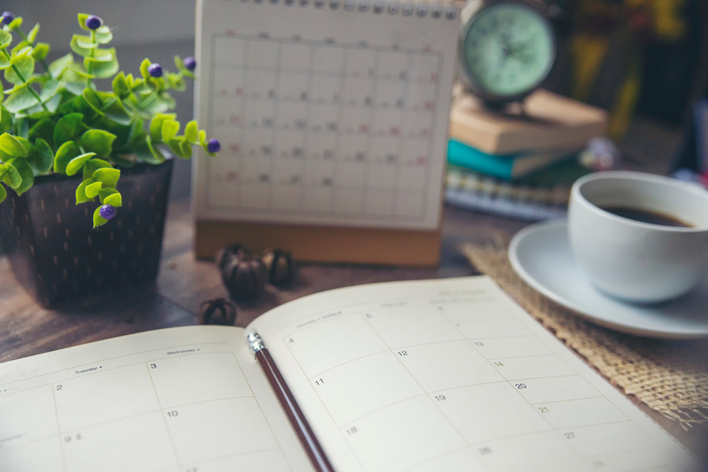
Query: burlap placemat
x=669, y=376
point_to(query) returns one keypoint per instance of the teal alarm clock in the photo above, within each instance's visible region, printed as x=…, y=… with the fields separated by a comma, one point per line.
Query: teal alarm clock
x=506, y=49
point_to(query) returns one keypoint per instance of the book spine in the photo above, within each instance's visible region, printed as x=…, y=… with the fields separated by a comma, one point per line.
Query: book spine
x=468, y=157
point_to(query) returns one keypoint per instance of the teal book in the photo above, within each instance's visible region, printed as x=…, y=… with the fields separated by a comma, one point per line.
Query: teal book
x=507, y=167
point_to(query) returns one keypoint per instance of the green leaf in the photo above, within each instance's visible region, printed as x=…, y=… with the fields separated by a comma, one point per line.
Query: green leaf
x=4, y=62
x=32, y=35
x=75, y=88
x=117, y=112
x=170, y=128
x=120, y=86
x=78, y=49
x=191, y=131
x=5, y=120
x=49, y=89
x=156, y=125
x=43, y=157
x=202, y=137
x=19, y=47
x=20, y=100
x=16, y=23
x=67, y=129
x=97, y=141
x=29, y=147
x=3, y=193
x=40, y=51
x=106, y=192
x=21, y=54
x=157, y=156
x=22, y=127
x=98, y=220
x=10, y=175
x=103, y=35
x=93, y=165
x=81, y=196
x=137, y=131
x=109, y=177
x=64, y=155
x=78, y=162
x=93, y=100
x=103, y=66
x=176, y=82
x=18, y=87
x=57, y=67
x=24, y=66
x=176, y=147
x=5, y=39
x=93, y=189
x=179, y=63
x=25, y=172
x=11, y=146
x=186, y=150
x=144, y=68
x=115, y=199
x=85, y=41
x=82, y=21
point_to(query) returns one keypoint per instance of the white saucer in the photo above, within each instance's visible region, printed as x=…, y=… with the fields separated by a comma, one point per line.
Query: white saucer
x=541, y=255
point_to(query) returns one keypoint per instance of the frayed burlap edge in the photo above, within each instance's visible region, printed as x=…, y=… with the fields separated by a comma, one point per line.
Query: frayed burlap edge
x=671, y=377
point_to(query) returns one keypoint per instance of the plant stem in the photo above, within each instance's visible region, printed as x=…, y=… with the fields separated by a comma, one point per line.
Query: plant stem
x=90, y=63
x=29, y=86
x=24, y=36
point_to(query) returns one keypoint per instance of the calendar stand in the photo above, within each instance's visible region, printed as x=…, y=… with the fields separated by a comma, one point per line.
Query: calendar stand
x=323, y=243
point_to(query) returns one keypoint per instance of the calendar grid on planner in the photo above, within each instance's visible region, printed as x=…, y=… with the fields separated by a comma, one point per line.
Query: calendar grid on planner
x=304, y=149
x=150, y=396
x=577, y=436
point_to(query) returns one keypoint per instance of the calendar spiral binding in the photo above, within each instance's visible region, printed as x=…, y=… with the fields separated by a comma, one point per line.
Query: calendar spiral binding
x=448, y=9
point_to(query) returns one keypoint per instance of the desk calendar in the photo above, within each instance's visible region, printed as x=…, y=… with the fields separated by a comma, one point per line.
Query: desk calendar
x=330, y=114
x=405, y=376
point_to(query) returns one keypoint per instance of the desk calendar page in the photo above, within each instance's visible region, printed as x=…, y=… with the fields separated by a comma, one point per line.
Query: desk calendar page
x=329, y=112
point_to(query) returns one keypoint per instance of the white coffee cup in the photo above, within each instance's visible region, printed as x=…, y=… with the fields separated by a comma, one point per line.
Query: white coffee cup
x=632, y=260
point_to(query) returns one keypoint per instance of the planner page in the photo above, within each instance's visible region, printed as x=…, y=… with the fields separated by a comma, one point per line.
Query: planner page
x=174, y=400
x=452, y=375
x=329, y=112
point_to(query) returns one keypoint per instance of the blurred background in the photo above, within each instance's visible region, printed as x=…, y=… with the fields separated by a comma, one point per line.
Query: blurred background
x=645, y=61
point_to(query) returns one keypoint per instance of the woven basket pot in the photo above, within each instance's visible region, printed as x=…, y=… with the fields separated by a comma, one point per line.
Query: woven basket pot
x=56, y=254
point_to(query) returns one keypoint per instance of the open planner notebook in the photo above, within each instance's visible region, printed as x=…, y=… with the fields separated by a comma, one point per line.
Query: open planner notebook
x=405, y=376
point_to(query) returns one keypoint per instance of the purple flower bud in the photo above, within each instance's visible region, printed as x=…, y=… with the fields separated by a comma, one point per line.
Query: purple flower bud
x=155, y=70
x=107, y=211
x=213, y=145
x=190, y=63
x=93, y=22
x=7, y=18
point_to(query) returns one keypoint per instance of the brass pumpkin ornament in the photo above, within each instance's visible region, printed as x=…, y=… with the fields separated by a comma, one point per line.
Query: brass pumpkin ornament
x=219, y=311
x=244, y=275
x=280, y=266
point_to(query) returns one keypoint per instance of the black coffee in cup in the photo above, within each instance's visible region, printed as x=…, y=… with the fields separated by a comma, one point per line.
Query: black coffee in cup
x=645, y=216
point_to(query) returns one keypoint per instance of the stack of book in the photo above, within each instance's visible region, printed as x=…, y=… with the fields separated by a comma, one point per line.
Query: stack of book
x=519, y=162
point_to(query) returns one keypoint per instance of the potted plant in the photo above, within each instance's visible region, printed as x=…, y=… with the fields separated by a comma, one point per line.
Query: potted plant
x=71, y=155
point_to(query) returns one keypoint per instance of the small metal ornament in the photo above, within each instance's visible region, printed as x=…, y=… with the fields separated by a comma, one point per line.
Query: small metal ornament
x=219, y=311
x=244, y=275
x=280, y=266
x=228, y=252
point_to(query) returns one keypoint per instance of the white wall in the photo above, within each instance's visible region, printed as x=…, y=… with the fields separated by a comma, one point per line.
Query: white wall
x=133, y=21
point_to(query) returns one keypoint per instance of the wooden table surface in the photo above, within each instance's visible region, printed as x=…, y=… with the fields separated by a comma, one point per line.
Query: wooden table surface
x=27, y=329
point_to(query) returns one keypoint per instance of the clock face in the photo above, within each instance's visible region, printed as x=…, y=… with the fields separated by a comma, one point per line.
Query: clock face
x=508, y=49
